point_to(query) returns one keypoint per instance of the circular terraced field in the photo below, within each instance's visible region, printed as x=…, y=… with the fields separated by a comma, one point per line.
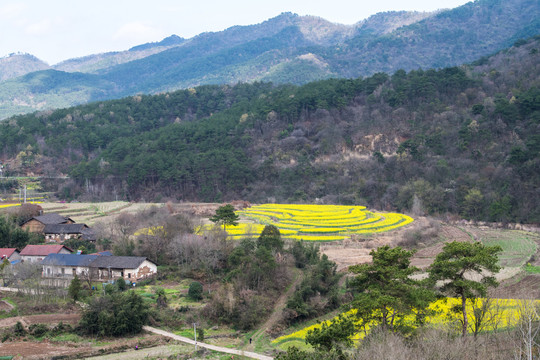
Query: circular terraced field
x=316, y=222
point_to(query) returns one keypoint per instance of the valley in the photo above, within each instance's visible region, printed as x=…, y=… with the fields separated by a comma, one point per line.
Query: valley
x=425, y=235
x=291, y=189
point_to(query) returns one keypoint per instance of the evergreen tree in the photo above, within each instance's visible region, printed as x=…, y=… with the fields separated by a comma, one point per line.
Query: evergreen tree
x=225, y=215
x=385, y=290
x=454, y=267
x=270, y=238
x=75, y=287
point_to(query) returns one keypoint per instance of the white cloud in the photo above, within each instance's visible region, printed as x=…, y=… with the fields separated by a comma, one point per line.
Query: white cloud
x=137, y=32
x=11, y=10
x=39, y=28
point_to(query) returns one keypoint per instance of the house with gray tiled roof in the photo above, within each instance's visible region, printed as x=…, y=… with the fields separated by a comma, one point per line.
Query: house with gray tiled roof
x=67, y=265
x=62, y=232
x=38, y=223
x=98, y=267
x=57, y=228
x=128, y=267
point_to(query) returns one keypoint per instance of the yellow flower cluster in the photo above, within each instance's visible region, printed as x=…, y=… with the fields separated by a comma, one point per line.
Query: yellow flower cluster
x=154, y=230
x=3, y=206
x=323, y=222
x=497, y=314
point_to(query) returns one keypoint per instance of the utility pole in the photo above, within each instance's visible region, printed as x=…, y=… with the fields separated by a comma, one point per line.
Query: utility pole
x=195, y=332
x=25, y=193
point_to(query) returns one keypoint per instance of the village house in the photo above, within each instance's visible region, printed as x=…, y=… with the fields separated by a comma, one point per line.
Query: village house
x=37, y=223
x=62, y=232
x=67, y=265
x=12, y=254
x=36, y=253
x=97, y=267
x=131, y=268
x=57, y=228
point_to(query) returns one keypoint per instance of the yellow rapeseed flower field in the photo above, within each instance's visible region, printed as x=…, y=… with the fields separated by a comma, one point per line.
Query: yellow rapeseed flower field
x=315, y=222
x=499, y=314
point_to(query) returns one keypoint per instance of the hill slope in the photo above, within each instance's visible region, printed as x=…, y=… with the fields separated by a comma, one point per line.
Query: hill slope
x=295, y=49
x=16, y=65
x=457, y=140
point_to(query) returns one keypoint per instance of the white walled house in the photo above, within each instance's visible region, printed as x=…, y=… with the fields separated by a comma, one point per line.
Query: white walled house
x=36, y=253
x=97, y=267
x=131, y=268
x=67, y=265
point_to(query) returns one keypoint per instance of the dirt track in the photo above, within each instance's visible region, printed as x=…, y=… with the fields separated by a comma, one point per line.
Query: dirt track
x=71, y=319
x=41, y=350
x=349, y=252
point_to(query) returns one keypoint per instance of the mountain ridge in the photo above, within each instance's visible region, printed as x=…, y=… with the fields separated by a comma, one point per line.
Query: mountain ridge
x=459, y=140
x=294, y=49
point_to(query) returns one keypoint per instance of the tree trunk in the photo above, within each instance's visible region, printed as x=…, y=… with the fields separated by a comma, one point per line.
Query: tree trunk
x=465, y=320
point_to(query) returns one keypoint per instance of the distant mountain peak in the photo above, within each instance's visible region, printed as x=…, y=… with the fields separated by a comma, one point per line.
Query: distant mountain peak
x=18, y=64
x=168, y=41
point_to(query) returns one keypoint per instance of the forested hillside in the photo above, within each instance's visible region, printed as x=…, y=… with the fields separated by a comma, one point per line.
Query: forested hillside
x=460, y=140
x=287, y=49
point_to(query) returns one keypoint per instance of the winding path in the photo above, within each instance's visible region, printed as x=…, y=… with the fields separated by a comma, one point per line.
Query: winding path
x=207, y=346
x=276, y=315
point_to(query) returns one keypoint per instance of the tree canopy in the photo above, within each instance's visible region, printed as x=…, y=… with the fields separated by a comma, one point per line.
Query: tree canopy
x=225, y=215
x=385, y=291
x=465, y=270
x=270, y=238
x=115, y=314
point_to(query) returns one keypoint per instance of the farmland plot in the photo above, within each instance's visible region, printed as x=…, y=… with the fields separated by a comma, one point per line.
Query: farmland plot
x=316, y=222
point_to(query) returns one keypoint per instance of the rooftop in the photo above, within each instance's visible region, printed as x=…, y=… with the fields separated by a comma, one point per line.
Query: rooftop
x=52, y=218
x=64, y=228
x=42, y=250
x=68, y=260
x=7, y=252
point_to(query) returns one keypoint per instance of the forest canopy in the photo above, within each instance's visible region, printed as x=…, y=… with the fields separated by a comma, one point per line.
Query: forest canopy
x=460, y=140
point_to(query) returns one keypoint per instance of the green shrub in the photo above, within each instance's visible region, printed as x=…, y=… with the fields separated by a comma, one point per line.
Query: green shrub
x=195, y=291
x=18, y=329
x=117, y=314
x=38, y=330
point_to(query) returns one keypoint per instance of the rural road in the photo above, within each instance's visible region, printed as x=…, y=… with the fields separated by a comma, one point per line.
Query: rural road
x=207, y=346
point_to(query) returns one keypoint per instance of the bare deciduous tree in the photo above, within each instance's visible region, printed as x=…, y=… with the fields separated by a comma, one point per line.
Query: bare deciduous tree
x=527, y=327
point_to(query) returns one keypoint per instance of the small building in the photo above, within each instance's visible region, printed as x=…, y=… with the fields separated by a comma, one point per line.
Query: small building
x=67, y=265
x=131, y=268
x=59, y=269
x=12, y=254
x=36, y=253
x=62, y=232
x=88, y=234
x=37, y=223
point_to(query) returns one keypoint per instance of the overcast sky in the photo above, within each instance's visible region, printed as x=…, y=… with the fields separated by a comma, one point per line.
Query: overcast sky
x=56, y=30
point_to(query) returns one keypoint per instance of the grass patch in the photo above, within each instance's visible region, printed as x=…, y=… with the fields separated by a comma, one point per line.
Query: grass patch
x=518, y=246
x=299, y=343
x=532, y=269
x=186, y=333
x=68, y=338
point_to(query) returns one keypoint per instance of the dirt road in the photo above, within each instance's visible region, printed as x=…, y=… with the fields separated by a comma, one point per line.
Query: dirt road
x=276, y=315
x=71, y=319
x=207, y=346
